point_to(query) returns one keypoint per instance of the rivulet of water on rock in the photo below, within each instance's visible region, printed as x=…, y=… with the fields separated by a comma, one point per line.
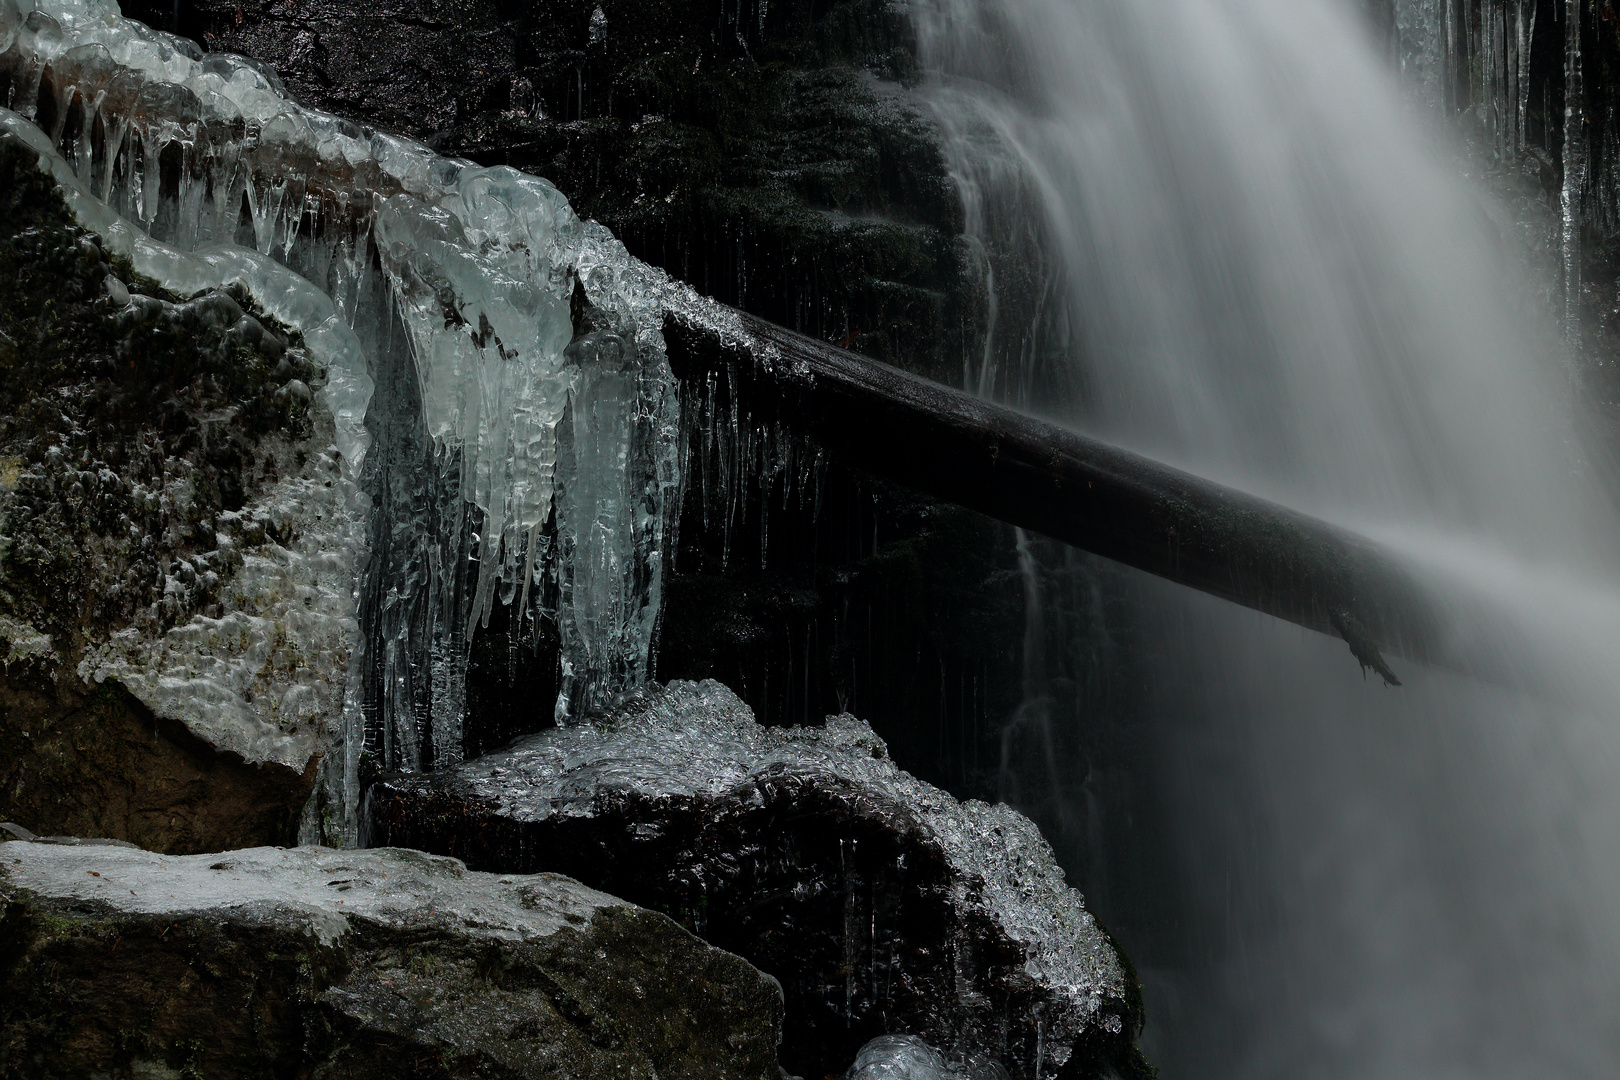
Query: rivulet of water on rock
x=1263, y=271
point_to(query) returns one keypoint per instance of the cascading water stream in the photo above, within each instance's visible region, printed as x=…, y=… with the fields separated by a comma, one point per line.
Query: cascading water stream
x=1261, y=271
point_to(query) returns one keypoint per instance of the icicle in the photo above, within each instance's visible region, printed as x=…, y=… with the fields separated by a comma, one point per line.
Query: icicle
x=150, y=190
x=1574, y=173
x=1526, y=30
x=1448, y=69
x=1501, y=64
x=115, y=131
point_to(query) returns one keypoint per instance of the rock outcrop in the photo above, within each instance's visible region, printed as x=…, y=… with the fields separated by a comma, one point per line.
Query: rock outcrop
x=782, y=157
x=368, y=964
x=882, y=904
x=177, y=551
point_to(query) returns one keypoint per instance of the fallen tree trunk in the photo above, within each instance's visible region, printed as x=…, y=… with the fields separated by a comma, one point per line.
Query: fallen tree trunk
x=1064, y=485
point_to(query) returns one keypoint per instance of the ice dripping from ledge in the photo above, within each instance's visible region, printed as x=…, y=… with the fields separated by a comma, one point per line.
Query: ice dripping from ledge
x=513, y=467
x=268, y=677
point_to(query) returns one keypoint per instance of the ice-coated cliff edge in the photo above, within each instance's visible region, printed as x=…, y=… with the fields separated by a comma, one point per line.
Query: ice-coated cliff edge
x=543, y=454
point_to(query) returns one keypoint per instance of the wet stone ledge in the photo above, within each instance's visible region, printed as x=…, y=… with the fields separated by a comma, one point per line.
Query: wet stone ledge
x=276, y=963
x=881, y=904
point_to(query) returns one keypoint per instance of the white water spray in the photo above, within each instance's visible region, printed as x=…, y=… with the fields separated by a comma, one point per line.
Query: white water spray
x=1268, y=276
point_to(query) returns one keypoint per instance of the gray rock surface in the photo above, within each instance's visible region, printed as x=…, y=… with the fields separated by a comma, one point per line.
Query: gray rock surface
x=881, y=903
x=280, y=962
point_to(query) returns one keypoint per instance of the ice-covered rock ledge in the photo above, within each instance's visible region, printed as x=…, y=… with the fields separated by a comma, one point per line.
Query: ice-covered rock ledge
x=387, y=963
x=241, y=611
x=882, y=904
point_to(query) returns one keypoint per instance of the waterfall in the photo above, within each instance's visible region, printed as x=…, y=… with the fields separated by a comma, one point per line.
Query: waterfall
x=1260, y=267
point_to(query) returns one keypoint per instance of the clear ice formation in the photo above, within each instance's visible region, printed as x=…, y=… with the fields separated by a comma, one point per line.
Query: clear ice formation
x=906, y=1057
x=515, y=463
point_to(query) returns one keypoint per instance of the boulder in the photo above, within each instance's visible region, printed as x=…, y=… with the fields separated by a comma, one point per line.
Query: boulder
x=273, y=962
x=882, y=904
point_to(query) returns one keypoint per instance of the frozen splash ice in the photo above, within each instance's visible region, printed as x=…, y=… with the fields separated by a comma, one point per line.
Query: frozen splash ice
x=538, y=462
x=906, y=1057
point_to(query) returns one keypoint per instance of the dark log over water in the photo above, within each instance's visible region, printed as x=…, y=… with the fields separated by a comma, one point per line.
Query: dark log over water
x=1097, y=497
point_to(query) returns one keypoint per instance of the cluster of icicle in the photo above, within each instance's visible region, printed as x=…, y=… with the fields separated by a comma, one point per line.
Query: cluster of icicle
x=546, y=464
x=1475, y=56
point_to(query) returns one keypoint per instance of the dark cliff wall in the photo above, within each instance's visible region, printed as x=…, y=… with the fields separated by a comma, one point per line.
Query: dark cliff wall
x=769, y=154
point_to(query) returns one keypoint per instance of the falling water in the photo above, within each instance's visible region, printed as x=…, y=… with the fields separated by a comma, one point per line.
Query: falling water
x=1265, y=272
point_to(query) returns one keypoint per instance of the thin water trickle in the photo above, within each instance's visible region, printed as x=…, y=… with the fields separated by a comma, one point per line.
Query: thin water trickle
x=1262, y=269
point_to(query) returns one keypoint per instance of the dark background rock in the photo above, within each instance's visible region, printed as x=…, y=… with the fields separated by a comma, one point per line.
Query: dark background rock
x=271, y=963
x=880, y=903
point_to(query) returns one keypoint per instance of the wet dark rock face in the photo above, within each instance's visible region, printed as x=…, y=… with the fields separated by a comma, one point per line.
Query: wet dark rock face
x=134, y=431
x=769, y=154
x=880, y=903
x=861, y=597
x=366, y=964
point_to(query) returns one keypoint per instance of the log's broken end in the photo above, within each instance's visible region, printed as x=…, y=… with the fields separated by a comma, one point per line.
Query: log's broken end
x=1362, y=646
